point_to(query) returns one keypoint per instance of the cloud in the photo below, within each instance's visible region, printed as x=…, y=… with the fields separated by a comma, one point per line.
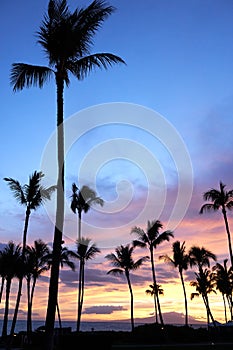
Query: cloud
x=103, y=309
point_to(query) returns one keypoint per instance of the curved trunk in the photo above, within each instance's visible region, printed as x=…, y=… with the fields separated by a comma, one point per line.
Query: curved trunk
x=131, y=300
x=58, y=230
x=185, y=297
x=225, y=307
x=156, y=289
x=79, y=224
x=228, y=233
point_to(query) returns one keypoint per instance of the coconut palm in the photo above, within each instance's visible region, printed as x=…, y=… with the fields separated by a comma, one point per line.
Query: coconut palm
x=66, y=38
x=11, y=264
x=179, y=260
x=223, y=277
x=151, y=239
x=123, y=263
x=204, y=285
x=220, y=200
x=200, y=257
x=35, y=266
x=85, y=251
x=32, y=196
x=82, y=200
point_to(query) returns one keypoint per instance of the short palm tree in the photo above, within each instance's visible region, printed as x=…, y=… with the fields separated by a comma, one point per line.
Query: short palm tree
x=32, y=196
x=200, y=257
x=85, y=251
x=35, y=266
x=151, y=239
x=220, y=200
x=65, y=261
x=66, y=38
x=204, y=285
x=11, y=264
x=153, y=290
x=223, y=277
x=124, y=263
x=179, y=260
x=82, y=200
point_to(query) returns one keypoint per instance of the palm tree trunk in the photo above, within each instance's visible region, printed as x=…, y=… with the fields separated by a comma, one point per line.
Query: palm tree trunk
x=59, y=316
x=131, y=301
x=228, y=234
x=79, y=224
x=79, y=296
x=5, y=320
x=58, y=230
x=20, y=286
x=156, y=289
x=185, y=298
x=2, y=287
x=225, y=307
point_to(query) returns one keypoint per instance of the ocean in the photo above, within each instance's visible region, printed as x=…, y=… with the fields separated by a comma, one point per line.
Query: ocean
x=85, y=326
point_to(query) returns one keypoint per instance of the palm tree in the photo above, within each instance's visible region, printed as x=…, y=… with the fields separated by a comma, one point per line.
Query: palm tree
x=200, y=257
x=85, y=251
x=65, y=260
x=66, y=38
x=124, y=263
x=32, y=196
x=180, y=260
x=220, y=199
x=35, y=266
x=150, y=239
x=11, y=264
x=224, y=283
x=82, y=200
x=204, y=285
x=153, y=290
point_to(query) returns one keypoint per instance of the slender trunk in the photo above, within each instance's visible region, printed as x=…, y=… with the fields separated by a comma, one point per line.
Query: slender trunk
x=185, y=297
x=228, y=234
x=131, y=301
x=2, y=287
x=5, y=320
x=20, y=286
x=29, y=313
x=155, y=284
x=79, y=296
x=31, y=301
x=58, y=230
x=225, y=307
x=79, y=224
x=59, y=316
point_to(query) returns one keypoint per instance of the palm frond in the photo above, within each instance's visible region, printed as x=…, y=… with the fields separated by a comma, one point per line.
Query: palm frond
x=83, y=66
x=26, y=75
x=17, y=190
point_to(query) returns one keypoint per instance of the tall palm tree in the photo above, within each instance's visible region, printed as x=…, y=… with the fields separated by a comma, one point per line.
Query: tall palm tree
x=179, y=260
x=82, y=200
x=11, y=264
x=223, y=277
x=35, y=266
x=66, y=38
x=204, y=285
x=32, y=196
x=85, y=251
x=151, y=239
x=124, y=263
x=220, y=200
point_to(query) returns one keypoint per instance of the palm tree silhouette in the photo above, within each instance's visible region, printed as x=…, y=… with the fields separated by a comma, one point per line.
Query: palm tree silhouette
x=180, y=260
x=124, y=263
x=11, y=264
x=32, y=196
x=204, y=285
x=35, y=266
x=85, y=251
x=66, y=38
x=223, y=281
x=150, y=239
x=220, y=199
x=153, y=290
x=82, y=200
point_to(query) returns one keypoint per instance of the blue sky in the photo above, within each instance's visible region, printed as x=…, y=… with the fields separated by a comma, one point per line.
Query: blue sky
x=179, y=66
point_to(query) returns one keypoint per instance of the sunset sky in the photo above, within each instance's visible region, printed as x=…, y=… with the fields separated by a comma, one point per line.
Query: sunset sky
x=150, y=137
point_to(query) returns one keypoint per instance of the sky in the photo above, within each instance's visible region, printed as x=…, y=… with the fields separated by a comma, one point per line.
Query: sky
x=150, y=136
